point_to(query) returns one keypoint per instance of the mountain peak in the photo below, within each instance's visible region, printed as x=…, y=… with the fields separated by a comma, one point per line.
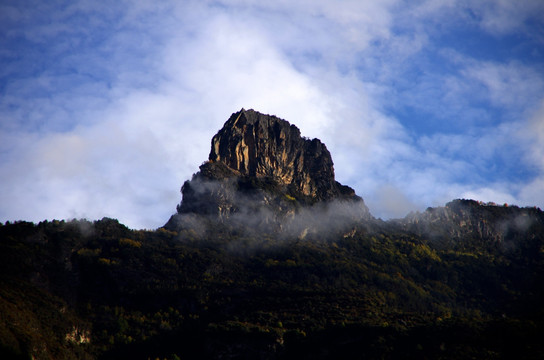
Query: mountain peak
x=265, y=146
x=261, y=163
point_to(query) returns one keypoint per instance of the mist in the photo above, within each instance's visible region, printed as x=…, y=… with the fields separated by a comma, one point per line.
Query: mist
x=233, y=206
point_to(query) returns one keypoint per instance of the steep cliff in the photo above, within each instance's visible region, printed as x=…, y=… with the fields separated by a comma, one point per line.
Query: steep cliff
x=469, y=222
x=265, y=146
x=260, y=164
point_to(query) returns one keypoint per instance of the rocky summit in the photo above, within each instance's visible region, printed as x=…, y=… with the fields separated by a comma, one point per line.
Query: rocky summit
x=261, y=164
x=264, y=146
x=471, y=222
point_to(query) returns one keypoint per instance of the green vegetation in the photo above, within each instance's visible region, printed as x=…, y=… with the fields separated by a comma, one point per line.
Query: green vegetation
x=82, y=289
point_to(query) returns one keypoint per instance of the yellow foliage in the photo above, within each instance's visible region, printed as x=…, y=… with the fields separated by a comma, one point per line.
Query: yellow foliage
x=130, y=242
x=290, y=262
x=107, y=261
x=424, y=251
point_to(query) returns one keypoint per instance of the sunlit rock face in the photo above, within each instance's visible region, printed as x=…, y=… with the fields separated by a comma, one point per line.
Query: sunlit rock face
x=258, y=145
x=260, y=164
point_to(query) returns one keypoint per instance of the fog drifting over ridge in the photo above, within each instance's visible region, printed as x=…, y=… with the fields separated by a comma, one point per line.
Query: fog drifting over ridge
x=259, y=213
x=106, y=110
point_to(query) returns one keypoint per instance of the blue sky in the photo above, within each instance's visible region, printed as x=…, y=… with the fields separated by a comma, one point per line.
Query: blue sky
x=107, y=107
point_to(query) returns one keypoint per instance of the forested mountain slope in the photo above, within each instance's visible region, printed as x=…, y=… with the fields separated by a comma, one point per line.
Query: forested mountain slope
x=81, y=289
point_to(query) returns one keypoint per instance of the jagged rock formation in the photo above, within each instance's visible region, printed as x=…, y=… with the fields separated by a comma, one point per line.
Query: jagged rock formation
x=265, y=146
x=470, y=222
x=260, y=164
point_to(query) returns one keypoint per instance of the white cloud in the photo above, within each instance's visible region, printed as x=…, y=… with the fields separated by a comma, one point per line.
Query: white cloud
x=111, y=167
x=498, y=17
x=123, y=106
x=507, y=85
x=390, y=202
x=534, y=134
x=488, y=194
x=503, y=16
x=533, y=192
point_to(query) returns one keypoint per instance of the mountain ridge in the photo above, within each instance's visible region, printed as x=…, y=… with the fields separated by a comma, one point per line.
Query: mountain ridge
x=465, y=220
x=262, y=173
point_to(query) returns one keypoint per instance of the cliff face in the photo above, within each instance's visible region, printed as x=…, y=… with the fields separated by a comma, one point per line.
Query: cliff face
x=264, y=146
x=260, y=164
x=471, y=222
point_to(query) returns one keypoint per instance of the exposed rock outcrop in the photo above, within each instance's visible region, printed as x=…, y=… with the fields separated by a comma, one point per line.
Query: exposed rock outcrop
x=265, y=146
x=468, y=222
x=260, y=164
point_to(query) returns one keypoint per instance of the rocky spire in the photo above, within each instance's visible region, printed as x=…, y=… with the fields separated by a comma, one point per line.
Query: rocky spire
x=264, y=146
x=260, y=164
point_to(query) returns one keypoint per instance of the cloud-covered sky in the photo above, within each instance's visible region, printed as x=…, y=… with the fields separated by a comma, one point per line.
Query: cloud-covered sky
x=107, y=107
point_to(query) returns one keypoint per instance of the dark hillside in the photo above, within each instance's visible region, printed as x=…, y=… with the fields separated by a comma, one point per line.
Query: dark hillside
x=100, y=290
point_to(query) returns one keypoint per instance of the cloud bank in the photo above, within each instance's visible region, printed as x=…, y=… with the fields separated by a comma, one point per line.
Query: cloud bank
x=105, y=109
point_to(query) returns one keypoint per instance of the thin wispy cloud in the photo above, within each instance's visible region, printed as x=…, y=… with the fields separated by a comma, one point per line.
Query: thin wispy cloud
x=106, y=108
